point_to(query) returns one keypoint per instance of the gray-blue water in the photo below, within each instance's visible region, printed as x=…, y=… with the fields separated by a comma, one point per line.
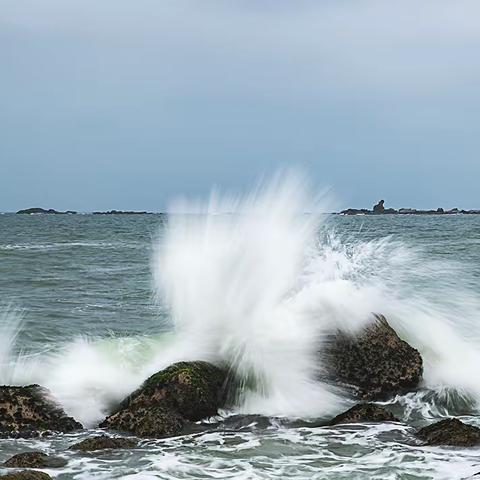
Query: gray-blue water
x=82, y=288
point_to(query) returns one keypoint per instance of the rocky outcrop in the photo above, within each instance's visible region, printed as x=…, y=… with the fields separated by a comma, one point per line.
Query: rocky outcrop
x=32, y=411
x=376, y=363
x=34, y=460
x=451, y=432
x=50, y=211
x=379, y=207
x=185, y=391
x=103, y=442
x=122, y=212
x=364, y=413
x=26, y=475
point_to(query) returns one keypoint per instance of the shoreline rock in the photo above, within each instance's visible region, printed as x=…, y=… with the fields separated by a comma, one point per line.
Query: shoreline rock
x=375, y=363
x=364, y=413
x=451, y=432
x=26, y=475
x=103, y=442
x=165, y=403
x=34, y=460
x=32, y=411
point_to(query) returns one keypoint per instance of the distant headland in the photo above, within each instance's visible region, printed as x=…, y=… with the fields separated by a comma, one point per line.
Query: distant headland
x=51, y=211
x=379, y=209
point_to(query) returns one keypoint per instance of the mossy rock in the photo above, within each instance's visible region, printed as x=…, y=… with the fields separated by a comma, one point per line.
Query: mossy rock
x=103, y=442
x=364, y=413
x=376, y=363
x=26, y=475
x=185, y=391
x=32, y=411
x=34, y=460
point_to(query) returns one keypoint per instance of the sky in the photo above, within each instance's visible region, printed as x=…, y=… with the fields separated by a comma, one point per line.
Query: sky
x=116, y=104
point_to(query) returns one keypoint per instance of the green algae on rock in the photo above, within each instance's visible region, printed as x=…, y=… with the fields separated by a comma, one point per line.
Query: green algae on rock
x=185, y=391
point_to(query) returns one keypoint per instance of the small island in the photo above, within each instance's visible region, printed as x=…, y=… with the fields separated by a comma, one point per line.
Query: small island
x=50, y=211
x=379, y=209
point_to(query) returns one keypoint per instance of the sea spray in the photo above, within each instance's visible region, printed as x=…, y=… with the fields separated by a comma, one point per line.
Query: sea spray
x=249, y=287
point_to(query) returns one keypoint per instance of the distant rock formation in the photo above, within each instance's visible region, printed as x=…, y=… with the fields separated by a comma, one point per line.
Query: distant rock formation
x=121, y=212
x=50, y=211
x=379, y=209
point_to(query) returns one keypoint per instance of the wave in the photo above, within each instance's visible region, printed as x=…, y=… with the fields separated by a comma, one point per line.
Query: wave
x=255, y=283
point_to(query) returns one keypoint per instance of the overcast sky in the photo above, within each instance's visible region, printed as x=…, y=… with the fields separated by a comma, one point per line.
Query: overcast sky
x=125, y=104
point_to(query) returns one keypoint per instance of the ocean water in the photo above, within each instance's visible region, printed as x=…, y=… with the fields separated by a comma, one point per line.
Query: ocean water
x=92, y=305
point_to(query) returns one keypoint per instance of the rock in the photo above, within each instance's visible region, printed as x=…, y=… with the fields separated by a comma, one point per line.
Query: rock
x=43, y=211
x=375, y=362
x=31, y=411
x=379, y=207
x=103, y=442
x=26, y=475
x=364, y=413
x=450, y=432
x=355, y=211
x=34, y=460
x=185, y=391
x=122, y=212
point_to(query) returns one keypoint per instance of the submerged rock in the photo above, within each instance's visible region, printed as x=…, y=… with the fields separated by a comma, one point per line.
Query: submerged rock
x=451, y=432
x=185, y=391
x=34, y=460
x=26, y=475
x=375, y=362
x=103, y=442
x=32, y=411
x=364, y=413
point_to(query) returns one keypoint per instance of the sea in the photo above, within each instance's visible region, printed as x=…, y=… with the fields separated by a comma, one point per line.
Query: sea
x=91, y=305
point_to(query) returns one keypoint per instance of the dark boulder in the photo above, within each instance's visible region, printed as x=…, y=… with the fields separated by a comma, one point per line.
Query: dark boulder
x=34, y=460
x=26, y=475
x=32, y=411
x=103, y=442
x=364, y=413
x=185, y=391
x=451, y=432
x=376, y=363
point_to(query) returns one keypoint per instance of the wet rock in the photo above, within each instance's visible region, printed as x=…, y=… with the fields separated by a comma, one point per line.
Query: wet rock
x=376, y=363
x=26, y=475
x=185, y=391
x=34, y=460
x=364, y=413
x=103, y=442
x=451, y=432
x=32, y=411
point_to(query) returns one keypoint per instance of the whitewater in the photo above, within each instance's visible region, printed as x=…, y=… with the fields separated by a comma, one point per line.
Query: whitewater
x=256, y=282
